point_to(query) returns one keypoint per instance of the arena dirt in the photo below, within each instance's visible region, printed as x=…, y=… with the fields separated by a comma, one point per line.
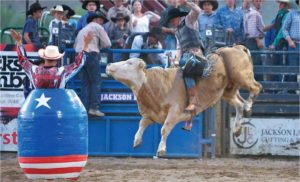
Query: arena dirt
x=108, y=169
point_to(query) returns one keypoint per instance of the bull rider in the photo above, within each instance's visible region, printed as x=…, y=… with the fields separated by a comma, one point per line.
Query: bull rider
x=190, y=49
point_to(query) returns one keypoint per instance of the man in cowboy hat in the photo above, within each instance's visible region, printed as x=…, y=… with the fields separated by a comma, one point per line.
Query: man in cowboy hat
x=55, y=25
x=207, y=18
x=91, y=7
x=291, y=32
x=189, y=47
x=119, y=34
x=279, y=43
x=90, y=73
x=68, y=28
x=30, y=33
x=149, y=40
x=117, y=8
x=48, y=75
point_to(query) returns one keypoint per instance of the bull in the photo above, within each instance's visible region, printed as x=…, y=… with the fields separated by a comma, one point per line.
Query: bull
x=161, y=93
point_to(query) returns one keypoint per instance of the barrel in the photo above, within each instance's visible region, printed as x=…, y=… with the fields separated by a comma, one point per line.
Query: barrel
x=52, y=134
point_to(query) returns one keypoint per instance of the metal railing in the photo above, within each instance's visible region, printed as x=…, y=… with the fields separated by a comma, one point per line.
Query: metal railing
x=43, y=33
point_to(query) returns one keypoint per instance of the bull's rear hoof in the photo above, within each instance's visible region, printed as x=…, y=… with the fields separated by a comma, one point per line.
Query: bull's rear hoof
x=137, y=145
x=161, y=153
x=247, y=113
x=238, y=132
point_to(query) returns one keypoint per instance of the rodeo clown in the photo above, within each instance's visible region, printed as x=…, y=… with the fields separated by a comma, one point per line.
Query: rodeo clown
x=48, y=75
x=190, y=49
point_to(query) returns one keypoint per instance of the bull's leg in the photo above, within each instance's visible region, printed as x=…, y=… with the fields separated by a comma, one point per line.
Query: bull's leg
x=233, y=98
x=144, y=122
x=165, y=131
x=254, y=89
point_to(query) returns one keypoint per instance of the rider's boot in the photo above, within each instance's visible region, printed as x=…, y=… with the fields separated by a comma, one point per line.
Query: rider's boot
x=193, y=99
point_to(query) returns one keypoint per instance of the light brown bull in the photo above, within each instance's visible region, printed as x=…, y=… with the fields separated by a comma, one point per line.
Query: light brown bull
x=162, y=97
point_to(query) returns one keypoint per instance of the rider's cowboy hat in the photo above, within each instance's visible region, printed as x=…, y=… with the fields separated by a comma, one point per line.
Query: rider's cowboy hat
x=214, y=3
x=175, y=12
x=85, y=3
x=51, y=53
x=56, y=8
x=120, y=16
x=283, y=1
x=124, y=1
x=34, y=7
x=68, y=11
x=92, y=16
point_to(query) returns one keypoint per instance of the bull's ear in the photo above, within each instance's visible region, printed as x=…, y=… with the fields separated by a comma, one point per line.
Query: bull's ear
x=142, y=64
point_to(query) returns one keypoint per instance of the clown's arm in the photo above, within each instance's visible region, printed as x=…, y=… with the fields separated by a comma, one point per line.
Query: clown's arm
x=23, y=60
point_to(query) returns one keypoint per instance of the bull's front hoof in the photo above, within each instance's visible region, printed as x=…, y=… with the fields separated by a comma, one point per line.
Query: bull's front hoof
x=247, y=113
x=237, y=132
x=161, y=153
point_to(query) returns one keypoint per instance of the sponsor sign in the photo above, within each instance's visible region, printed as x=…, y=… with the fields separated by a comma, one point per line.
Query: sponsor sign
x=11, y=97
x=275, y=136
x=117, y=97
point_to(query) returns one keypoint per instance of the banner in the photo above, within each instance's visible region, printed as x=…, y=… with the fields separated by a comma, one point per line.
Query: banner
x=11, y=95
x=117, y=97
x=275, y=136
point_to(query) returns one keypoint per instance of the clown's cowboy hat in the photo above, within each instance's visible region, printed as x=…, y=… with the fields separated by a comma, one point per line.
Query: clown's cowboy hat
x=34, y=7
x=50, y=53
x=214, y=3
x=85, y=3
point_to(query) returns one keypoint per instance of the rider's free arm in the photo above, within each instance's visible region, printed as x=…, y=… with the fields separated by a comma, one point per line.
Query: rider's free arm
x=192, y=17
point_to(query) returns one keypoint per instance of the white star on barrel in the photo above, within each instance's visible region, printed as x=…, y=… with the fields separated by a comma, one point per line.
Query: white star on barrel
x=42, y=101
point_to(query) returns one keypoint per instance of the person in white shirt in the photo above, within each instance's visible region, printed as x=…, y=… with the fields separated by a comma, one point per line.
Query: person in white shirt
x=141, y=21
x=55, y=25
x=149, y=40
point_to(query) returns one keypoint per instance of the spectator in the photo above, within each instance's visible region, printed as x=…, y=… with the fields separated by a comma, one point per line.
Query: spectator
x=231, y=18
x=279, y=43
x=141, y=21
x=68, y=13
x=48, y=75
x=270, y=35
x=254, y=31
x=30, y=30
x=257, y=4
x=55, y=25
x=90, y=73
x=271, y=58
x=207, y=18
x=291, y=32
x=168, y=29
x=148, y=41
x=119, y=34
x=117, y=8
x=68, y=31
x=91, y=7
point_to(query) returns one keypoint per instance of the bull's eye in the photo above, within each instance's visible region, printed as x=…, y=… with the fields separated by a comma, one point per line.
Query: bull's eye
x=129, y=63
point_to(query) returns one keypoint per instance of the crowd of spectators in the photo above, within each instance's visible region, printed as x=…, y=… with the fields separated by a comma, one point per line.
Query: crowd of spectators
x=126, y=25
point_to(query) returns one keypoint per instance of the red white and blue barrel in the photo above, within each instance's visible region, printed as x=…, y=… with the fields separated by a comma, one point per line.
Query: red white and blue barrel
x=52, y=134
